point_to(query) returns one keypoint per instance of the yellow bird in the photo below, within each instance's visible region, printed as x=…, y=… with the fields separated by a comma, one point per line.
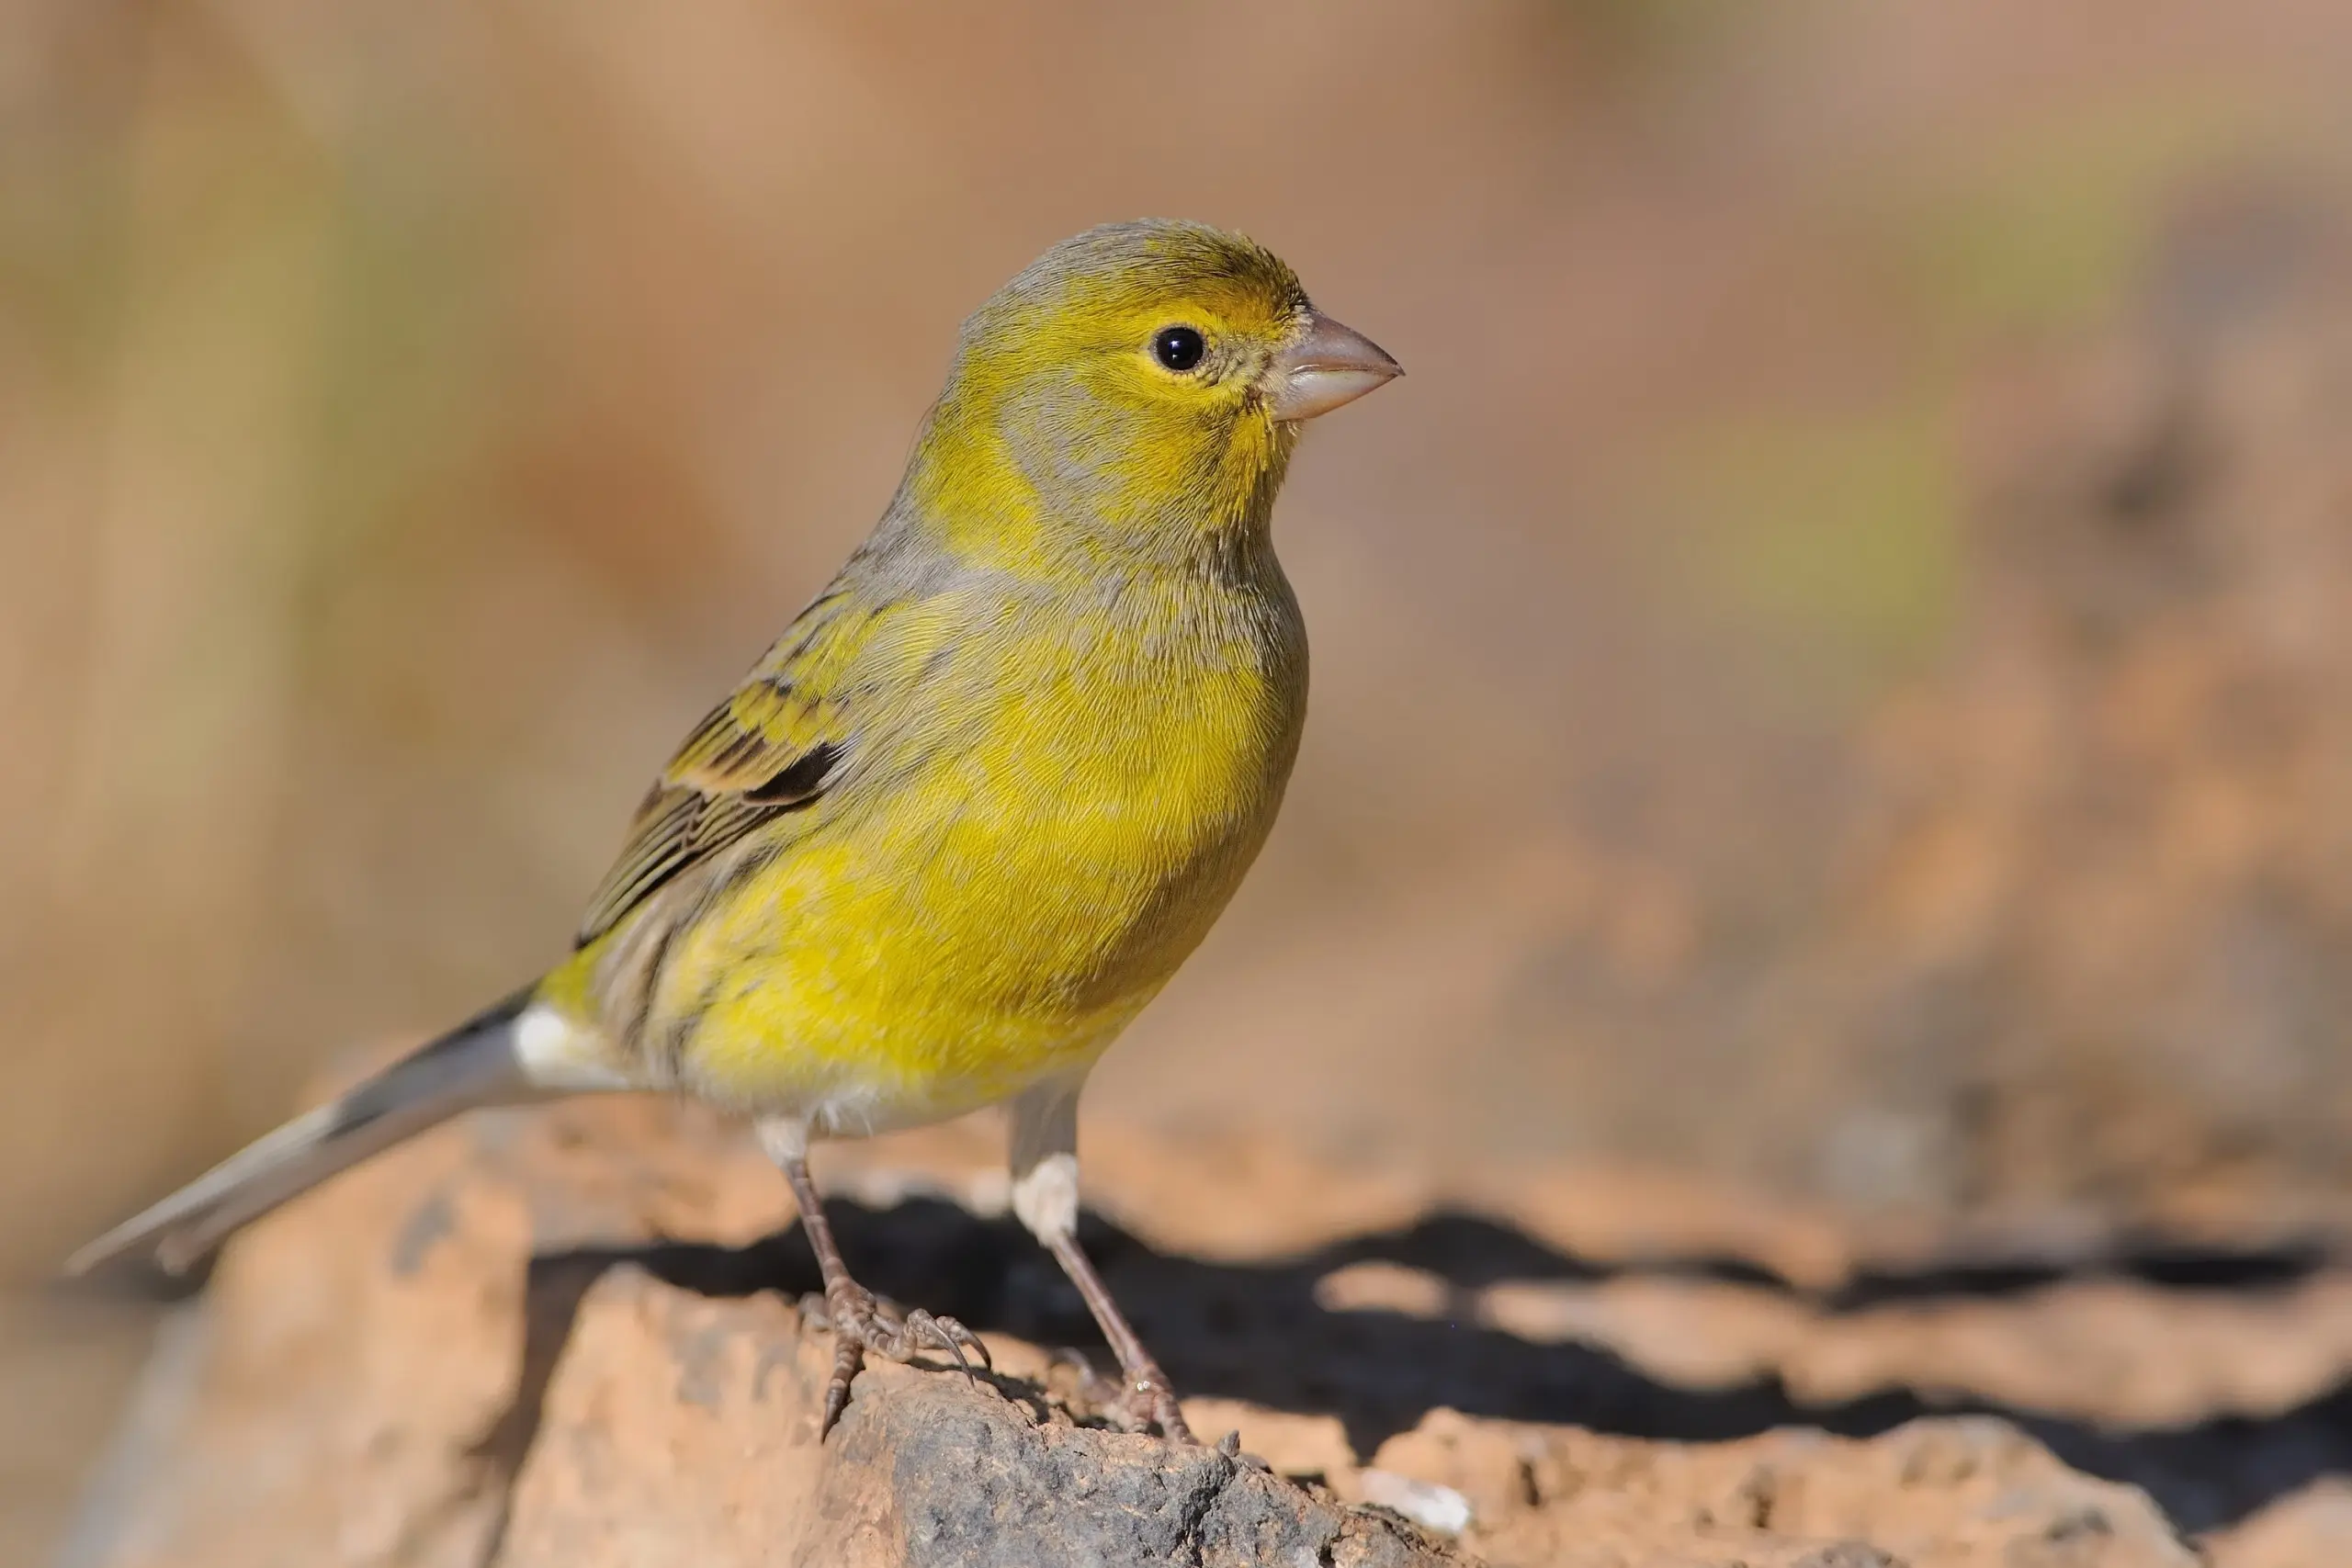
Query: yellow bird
x=978, y=802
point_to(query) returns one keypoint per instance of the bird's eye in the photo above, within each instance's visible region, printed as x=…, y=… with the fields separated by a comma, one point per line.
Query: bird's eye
x=1179, y=349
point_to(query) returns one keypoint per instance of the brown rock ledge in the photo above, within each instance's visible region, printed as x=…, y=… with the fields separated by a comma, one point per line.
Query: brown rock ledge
x=492, y=1348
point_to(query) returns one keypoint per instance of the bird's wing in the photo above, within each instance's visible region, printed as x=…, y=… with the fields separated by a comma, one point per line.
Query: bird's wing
x=772, y=747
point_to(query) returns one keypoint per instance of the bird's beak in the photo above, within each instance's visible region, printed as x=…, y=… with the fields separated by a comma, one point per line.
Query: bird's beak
x=1331, y=365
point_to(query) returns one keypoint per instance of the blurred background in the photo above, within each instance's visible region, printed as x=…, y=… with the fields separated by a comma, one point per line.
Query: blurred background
x=1830, y=673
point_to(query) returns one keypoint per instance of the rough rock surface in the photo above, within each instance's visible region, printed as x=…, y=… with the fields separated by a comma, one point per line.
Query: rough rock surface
x=494, y=1348
x=924, y=1468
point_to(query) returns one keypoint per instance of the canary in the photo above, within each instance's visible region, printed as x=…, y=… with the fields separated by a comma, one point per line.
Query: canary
x=971, y=811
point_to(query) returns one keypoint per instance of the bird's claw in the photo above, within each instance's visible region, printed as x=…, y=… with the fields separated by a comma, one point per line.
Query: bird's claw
x=861, y=1323
x=923, y=1329
x=1144, y=1401
x=1148, y=1402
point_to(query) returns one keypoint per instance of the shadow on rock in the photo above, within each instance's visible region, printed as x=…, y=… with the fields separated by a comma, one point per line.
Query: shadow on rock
x=1261, y=1332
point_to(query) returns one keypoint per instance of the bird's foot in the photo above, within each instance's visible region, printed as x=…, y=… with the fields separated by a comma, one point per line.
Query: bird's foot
x=861, y=1322
x=1144, y=1401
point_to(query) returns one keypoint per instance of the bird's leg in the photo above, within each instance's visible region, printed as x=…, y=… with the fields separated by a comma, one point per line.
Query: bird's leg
x=1044, y=1196
x=859, y=1321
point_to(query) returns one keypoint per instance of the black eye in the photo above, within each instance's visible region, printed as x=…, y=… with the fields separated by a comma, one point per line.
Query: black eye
x=1179, y=349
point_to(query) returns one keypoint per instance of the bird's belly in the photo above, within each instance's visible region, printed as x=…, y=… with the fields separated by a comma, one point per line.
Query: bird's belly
x=986, y=922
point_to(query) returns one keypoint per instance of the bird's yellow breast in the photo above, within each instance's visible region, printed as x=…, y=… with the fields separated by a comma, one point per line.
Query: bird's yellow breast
x=993, y=895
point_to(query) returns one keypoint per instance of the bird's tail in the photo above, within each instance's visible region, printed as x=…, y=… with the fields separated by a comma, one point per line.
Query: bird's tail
x=474, y=1065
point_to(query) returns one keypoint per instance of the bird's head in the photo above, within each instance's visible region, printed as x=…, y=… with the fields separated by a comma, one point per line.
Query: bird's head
x=1135, y=389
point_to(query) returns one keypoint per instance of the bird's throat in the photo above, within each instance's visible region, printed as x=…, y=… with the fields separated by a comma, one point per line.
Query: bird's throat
x=1027, y=488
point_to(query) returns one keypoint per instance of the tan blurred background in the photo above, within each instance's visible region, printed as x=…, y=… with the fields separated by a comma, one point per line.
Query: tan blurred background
x=1830, y=672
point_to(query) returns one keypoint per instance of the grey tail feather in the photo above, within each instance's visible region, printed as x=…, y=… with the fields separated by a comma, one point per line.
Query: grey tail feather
x=473, y=1065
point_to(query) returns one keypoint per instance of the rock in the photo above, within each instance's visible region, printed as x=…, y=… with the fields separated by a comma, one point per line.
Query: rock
x=1967, y=1493
x=944, y=1478
x=489, y=1348
x=456, y=1356
x=683, y=1429
x=2311, y=1526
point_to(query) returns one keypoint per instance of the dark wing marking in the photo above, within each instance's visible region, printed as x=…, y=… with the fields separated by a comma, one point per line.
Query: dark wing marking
x=770, y=747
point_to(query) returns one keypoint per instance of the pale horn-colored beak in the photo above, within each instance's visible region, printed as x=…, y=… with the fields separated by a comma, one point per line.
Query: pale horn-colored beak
x=1329, y=366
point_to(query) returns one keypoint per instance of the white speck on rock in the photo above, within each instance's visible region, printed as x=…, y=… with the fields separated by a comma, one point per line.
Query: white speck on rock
x=1432, y=1506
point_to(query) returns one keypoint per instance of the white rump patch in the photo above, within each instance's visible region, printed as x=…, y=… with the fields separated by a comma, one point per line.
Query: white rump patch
x=556, y=1055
